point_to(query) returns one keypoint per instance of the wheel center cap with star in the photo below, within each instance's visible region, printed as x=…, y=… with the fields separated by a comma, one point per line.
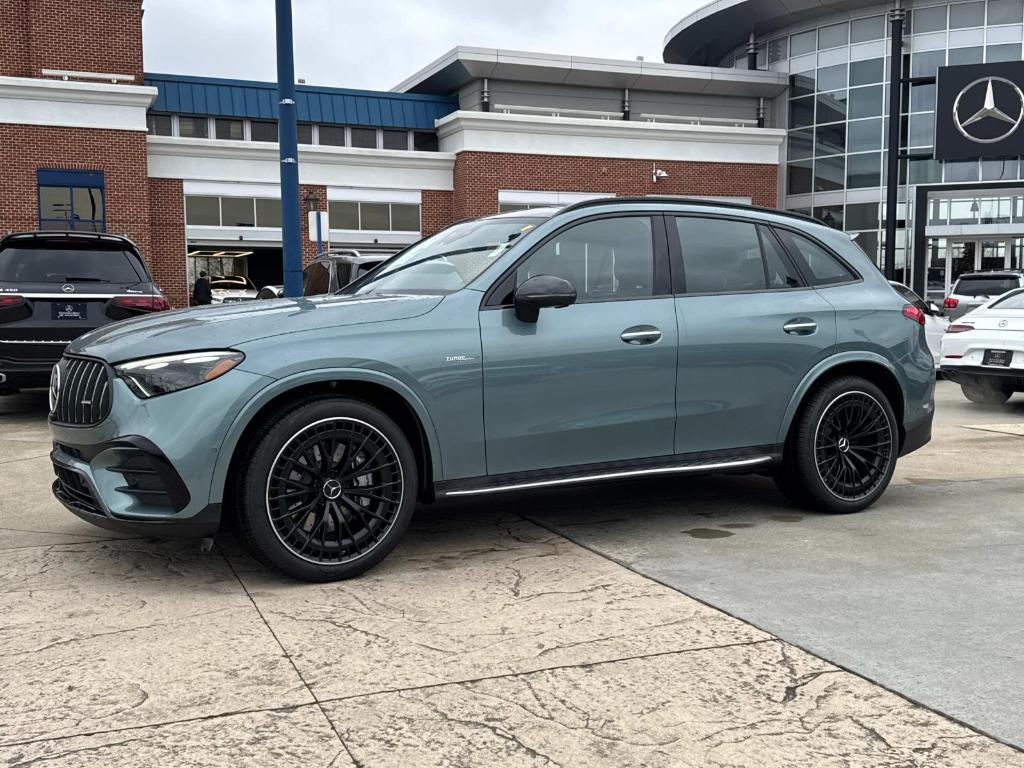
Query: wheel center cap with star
x=999, y=115
x=332, y=489
x=844, y=444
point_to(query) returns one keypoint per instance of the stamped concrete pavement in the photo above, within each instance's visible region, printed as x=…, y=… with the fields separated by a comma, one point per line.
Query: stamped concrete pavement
x=485, y=639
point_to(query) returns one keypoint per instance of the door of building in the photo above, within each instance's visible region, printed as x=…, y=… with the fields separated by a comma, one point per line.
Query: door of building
x=950, y=257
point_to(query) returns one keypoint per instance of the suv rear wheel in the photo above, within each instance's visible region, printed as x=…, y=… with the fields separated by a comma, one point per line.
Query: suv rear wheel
x=986, y=391
x=329, y=489
x=842, y=449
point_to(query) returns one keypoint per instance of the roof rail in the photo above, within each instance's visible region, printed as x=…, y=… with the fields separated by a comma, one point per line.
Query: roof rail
x=685, y=201
x=51, y=234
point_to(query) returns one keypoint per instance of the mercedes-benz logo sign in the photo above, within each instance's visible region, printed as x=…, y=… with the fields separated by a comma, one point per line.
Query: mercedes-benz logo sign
x=67, y=288
x=989, y=110
x=54, y=387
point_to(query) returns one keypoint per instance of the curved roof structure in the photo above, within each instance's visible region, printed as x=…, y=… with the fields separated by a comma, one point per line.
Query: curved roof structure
x=709, y=33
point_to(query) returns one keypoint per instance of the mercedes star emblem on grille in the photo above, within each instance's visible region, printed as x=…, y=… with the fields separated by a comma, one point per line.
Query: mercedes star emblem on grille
x=67, y=288
x=1000, y=115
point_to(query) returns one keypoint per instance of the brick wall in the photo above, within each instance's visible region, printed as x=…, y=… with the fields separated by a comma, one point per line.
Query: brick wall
x=121, y=155
x=167, y=254
x=479, y=176
x=309, y=246
x=93, y=36
x=435, y=210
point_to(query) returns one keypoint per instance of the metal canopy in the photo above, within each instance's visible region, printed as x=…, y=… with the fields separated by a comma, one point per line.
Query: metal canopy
x=463, y=65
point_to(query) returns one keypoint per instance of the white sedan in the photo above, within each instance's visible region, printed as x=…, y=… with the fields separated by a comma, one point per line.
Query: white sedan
x=231, y=289
x=983, y=351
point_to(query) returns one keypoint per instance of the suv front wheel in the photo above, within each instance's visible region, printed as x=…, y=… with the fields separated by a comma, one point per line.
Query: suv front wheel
x=842, y=449
x=329, y=489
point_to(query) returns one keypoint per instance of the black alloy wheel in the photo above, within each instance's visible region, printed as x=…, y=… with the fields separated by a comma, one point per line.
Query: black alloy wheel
x=853, y=445
x=841, y=451
x=334, y=490
x=328, y=490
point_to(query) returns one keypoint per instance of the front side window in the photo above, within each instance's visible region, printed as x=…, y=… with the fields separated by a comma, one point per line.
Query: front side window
x=449, y=260
x=821, y=267
x=316, y=279
x=604, y=259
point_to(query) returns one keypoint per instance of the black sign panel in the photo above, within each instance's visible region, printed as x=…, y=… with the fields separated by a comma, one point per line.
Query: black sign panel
x=980, y=111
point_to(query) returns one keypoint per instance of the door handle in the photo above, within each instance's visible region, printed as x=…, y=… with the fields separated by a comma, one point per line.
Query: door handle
x=800, y=326
x=641, y=334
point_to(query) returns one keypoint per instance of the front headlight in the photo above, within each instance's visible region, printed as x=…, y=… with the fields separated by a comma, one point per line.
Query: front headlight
x=154, y=376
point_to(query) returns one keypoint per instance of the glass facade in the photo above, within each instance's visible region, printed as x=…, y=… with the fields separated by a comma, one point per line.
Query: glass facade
x=836, y=111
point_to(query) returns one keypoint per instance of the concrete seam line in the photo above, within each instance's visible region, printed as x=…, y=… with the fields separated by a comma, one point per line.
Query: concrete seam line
x=556, y=668
x=288, y=656
x=841, y=667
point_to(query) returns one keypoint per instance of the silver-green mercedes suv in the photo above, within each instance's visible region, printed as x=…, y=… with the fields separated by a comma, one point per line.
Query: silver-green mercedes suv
x=622, y=338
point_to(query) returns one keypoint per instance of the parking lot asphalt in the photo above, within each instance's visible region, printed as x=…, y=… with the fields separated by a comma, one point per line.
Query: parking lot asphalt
x=675, y=623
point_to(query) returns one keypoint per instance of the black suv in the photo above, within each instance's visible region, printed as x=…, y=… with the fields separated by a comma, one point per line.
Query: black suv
x=55, y=286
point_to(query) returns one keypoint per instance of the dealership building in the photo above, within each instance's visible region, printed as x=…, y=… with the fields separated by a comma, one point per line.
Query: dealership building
x=753, y=103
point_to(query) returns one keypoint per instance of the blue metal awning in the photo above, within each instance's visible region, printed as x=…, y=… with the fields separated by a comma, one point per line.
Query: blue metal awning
x=186, y=95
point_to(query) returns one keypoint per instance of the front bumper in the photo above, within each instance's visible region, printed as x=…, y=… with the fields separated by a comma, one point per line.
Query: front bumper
x=148, y=467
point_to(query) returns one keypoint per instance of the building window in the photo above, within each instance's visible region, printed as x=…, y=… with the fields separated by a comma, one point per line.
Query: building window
x=1005, y=11
x=366, y=138
x=424, y=141
x=237, y=212
x=268, y=212
x=233, y=130
x=395, y=139
x=71, y=200
x=332, y=135
x=863, y=30
x=383, y=217
x=159, y=125
x=202, y=210
x=263, y=130
x=193, y=127
x=305, y=133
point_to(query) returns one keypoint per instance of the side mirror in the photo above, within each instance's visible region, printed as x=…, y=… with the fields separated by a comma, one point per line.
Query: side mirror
x=542, y=291
x=935, y=309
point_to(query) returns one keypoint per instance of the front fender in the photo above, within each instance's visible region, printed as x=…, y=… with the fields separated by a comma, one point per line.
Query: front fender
x=283, y=385
x=821, y=369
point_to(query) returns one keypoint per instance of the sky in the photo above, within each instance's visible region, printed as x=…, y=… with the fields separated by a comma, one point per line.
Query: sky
x=376, y=45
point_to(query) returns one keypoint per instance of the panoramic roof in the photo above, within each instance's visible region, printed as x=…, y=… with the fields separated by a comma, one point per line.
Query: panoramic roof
x=709, y=33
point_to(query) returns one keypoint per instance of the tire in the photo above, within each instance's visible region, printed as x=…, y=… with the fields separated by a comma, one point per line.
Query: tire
x=328, y=490
x=985, y=392
x=842, y=448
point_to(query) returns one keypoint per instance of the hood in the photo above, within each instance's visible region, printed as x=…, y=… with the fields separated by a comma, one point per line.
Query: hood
x=223, y=326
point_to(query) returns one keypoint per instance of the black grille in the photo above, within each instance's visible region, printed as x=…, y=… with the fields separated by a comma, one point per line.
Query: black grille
x=84, y=392
x=71, y=488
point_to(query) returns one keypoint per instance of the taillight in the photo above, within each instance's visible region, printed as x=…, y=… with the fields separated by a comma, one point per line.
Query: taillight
x=950, y=303
x=914, y=313
x=959, y=328
x=9, y=301
x=141, y=303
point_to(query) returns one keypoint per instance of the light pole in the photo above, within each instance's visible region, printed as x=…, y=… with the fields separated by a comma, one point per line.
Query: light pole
x=291, y=248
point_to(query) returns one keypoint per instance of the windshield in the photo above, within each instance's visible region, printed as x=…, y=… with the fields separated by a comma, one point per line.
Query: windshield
x=983, y=285
x=70, y=265
x=449, y=260
x=1013, y=301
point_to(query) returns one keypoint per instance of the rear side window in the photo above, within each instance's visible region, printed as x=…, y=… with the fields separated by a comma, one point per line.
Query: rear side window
x=1013, y=301
x=317, y=280
x=723, y=256
x=820, y=266
x=52, y=265
x=985, y=285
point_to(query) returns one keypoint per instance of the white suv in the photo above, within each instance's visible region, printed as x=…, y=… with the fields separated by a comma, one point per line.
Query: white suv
x=973, y=289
